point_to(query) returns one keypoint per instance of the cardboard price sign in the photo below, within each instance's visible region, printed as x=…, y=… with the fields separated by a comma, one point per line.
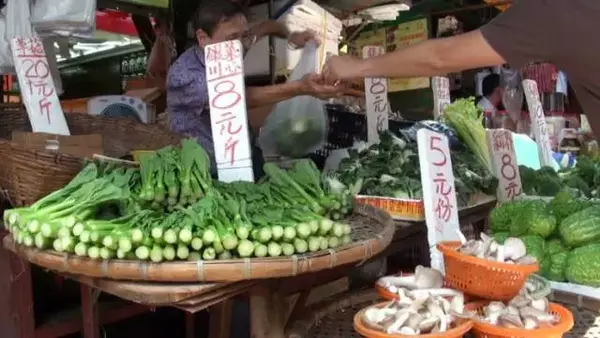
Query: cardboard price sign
x=376, y=99
x=229, y=121
x=504, y=162
x=439, y=195
x=538, y=122
x=37, y=87
x=441, y=95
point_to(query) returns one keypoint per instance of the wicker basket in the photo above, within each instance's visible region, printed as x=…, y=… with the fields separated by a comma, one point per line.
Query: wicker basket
x=27, y=175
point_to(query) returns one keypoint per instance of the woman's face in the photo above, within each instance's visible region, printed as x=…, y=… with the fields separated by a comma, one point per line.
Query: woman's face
x=235, y=28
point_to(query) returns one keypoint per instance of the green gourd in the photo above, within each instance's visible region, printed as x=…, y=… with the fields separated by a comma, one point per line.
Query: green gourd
x=581, y=228
x=583, y=265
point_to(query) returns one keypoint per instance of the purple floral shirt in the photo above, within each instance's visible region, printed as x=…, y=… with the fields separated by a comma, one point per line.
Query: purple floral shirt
x=187, y=98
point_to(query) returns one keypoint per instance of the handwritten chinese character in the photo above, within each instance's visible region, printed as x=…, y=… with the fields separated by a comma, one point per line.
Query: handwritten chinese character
x=441, y=185
x=443, y=208
x=43, y=88
x=230, y=147
x=30, y=47
x=45, y=108
x=502, y=141
x=512, y=190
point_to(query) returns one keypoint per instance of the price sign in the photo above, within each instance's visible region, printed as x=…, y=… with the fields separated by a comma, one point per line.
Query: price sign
x=504, y=162
x=37, y=87
x=538, y=122
x=441, y=95
x=439, y=195
x=376, y=99
x=229, y=122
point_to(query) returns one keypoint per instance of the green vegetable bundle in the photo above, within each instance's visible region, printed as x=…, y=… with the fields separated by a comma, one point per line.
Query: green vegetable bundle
x=391, y=169
x=107, y=212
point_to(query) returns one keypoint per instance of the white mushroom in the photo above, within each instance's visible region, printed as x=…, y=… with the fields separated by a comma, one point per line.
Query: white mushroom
x=461, y=237
x=407, y=282
x=457, y=305
x=428, y=324
x=527, y=260
x=530, y=323
x=541, y=304
x=408, y=331
x=514, y=248
x=471, y=248
x=500, y=253
x=540, y=316
x=398, y=321
x=433, y=292
x=413, y=321
x=426, y=278
x=510, y=321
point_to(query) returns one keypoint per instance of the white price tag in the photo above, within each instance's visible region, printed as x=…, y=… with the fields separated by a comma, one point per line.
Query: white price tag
x=441, y=95
x=538, y=122
x=228, y=117
x=376, y=99
x=439, y=195
x=504, y=163
x=37, y=87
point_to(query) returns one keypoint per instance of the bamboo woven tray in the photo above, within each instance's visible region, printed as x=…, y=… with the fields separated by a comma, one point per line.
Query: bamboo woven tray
x=372, y=231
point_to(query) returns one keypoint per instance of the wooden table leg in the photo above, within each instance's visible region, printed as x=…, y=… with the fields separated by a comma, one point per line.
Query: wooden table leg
x=190, y=325
x=267, y=312
x=19, y=316
x=89, y=310
x=220, y=320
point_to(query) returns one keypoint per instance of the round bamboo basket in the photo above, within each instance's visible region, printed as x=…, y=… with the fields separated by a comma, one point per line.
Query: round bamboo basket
x=26, y=175
x=372, y=231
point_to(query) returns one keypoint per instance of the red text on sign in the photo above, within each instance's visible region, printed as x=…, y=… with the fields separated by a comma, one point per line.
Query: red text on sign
x=32, y=59
x=434, y=145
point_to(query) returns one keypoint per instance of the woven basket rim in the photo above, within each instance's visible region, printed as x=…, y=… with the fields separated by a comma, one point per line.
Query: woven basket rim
x=448, y=248
x=216, y=270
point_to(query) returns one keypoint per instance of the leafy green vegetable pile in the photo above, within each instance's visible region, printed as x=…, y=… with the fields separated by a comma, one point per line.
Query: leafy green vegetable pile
x=563, y=234
x=171, y=209
x=391, y=169
x=581, y=180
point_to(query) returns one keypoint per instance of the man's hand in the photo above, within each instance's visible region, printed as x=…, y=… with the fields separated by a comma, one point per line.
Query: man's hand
x=314, y=85
x=299, y=39
x=342, y=68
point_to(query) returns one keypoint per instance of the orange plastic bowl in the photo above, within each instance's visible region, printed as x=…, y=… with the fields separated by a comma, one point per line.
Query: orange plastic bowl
x=484, y=330
x=365, y=331
x=388, y=295
x=384, y=292
x=481, y=277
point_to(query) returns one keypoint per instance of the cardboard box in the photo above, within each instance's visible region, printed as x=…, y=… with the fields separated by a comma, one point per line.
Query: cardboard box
x=84, y=146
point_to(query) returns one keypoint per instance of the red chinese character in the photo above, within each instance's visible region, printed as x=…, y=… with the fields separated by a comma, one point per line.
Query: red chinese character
x=30, y=47
x=228, y=127
x=441, y=185
x=212, y=52
x=43, y=88
x=512, y=191
x=502, y=141
x=434, y=145
x=443, y=208
x=230, y=146
x=45, y=108
x=214, y=70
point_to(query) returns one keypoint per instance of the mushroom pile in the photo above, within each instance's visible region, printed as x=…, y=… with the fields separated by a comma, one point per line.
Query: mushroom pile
x=513, y=251
x=423, y=279
x=521, y=312
x=417, y=313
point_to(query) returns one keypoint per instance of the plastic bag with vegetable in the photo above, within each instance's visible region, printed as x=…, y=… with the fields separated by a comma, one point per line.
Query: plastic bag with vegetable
x=297, y=126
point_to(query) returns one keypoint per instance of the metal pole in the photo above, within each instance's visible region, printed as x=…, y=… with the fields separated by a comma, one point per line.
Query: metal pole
x=272, y=65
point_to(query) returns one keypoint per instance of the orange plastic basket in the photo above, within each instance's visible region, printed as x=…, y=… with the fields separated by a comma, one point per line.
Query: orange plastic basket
x=363, y=330
x=484, y=330
x=481, y=277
